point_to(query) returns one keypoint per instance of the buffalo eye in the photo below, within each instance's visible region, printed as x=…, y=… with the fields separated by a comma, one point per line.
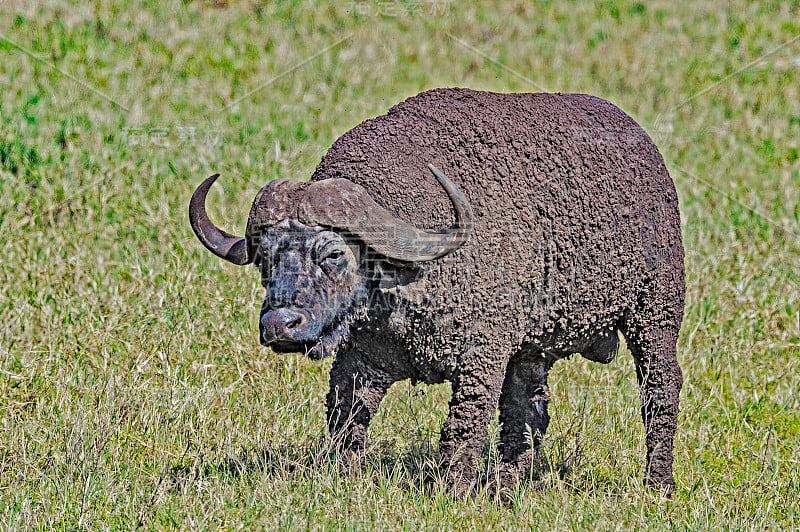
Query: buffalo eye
x=332, y=261
x=335, y=256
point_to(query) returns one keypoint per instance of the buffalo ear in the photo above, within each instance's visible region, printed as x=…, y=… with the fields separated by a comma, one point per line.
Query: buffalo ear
x=405, y=290
x=390, y=274
x=384, y=274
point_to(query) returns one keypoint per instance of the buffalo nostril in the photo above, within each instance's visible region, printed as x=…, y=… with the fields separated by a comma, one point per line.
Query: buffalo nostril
x=293, y=322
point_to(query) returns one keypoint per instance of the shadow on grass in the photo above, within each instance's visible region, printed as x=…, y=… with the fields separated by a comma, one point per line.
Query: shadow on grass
x=278, y=460
x=415, y=466
x=417, y=463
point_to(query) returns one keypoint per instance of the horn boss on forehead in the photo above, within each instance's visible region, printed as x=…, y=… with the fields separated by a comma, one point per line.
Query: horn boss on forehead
x=342, y=204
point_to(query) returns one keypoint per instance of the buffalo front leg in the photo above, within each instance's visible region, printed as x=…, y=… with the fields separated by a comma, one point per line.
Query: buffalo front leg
x=523, y=415
x=356, y=391
x=474, y=401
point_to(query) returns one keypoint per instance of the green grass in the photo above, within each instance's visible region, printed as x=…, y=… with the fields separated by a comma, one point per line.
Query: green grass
x=133, y=390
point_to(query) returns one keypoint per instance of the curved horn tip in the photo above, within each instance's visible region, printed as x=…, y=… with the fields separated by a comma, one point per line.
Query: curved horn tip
x=461, y=205
x=207, y=182
x=436, y=172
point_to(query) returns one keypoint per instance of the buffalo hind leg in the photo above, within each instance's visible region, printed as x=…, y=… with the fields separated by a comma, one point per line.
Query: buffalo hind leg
x=523, y=415
x=660, y=381
x=356, y=391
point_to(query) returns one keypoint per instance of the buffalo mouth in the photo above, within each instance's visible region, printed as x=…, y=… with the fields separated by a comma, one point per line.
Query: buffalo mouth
x=289, y=346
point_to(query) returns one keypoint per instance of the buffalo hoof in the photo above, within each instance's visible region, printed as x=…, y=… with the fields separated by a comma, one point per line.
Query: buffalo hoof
x=352, y=461
x=665, y=487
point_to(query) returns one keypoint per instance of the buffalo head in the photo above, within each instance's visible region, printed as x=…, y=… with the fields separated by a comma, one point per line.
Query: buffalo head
x=311, y=242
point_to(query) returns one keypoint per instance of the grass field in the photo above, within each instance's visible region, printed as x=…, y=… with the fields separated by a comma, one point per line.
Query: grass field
x=133, y=391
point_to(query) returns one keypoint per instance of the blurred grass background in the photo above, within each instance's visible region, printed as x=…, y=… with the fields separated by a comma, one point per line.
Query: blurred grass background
x=133, y=391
